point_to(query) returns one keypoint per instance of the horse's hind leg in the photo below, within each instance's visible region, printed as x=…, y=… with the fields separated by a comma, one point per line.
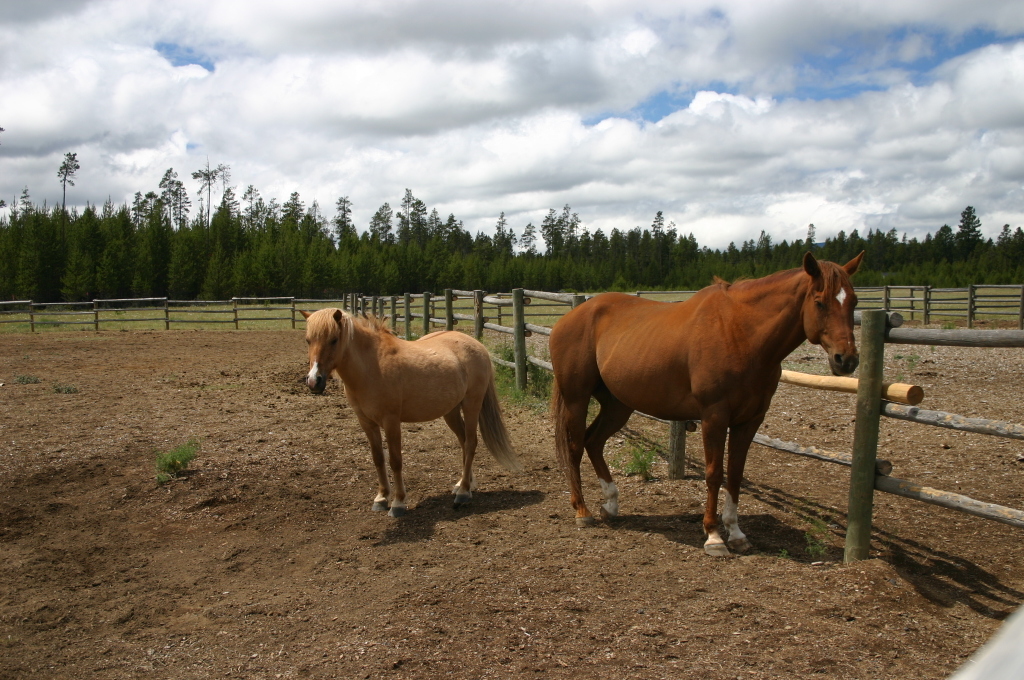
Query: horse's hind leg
x=612, y=417
x=570, y=435
x=467, y=483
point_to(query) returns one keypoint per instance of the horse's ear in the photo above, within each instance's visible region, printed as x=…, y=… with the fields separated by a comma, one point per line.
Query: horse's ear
x=338, y=314
x=853, y=265
x=304, y=313
x=811, y=265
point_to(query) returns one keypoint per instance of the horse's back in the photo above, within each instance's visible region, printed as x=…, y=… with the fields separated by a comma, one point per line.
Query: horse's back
x=435, y=373
x=639, y=349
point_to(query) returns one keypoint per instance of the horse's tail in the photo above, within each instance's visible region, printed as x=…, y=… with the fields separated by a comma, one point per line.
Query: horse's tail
x=494, y=432
x=560, y=414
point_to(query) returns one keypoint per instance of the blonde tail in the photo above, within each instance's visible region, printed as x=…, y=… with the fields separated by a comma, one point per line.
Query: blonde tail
x=495, y=434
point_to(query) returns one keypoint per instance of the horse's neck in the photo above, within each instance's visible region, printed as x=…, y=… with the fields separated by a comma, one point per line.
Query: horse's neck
x=771, y=316
x=360, y=364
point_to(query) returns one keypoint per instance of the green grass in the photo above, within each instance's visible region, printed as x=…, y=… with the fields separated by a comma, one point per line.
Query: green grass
x=169, y=464
x=60, y=388
x=26, y=380
x=637, y=460
x=816, y=536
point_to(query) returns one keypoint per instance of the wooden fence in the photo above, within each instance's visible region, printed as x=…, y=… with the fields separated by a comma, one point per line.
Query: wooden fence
x=875, y=398
x=159, y=311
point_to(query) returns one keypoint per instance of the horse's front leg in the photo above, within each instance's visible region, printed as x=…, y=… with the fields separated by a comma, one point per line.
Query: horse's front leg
x=380, y=503
x=713, y=431
x=393, y=432
x=740, y=437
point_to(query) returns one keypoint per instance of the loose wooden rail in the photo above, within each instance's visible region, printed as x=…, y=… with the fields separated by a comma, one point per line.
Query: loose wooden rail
x=954, y=501
x=952, y=421
x=955, y=338
x=882, y=467
x=901, y=392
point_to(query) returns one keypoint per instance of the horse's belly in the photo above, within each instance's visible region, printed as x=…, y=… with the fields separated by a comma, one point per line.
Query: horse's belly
x=657, y=393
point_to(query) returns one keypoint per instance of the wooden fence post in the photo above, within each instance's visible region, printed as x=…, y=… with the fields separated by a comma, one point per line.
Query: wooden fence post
x=293, y=313
x=578, y=300
x=865, y=435
x=394, y=314
x=167, y=316
x=885, y=298
x=519, y=337
x=31, y=318
x=234, y=305
x=95, y=315
x=373, y=305
x=1020, y=309
x=449, y=311
x=407, y=301
x=478, y=314
x=426, y=313
x=927, y=305
x=677, y=449
x=970, y=305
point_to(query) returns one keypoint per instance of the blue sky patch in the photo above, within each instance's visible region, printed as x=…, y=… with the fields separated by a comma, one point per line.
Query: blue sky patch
x=181, y=55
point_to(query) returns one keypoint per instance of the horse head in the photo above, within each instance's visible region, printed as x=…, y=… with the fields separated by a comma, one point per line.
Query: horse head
x=828, y=311
x=327, y=334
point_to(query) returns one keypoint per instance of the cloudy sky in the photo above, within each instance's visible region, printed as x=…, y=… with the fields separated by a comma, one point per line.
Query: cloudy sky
x=731, y=116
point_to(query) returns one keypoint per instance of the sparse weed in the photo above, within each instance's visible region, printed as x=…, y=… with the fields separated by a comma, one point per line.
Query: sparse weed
x=169, y=464
x=817, y=546
x=638, y=460
x=948, y=326
x=60, y=388
x=26, y=379
x=783, y=554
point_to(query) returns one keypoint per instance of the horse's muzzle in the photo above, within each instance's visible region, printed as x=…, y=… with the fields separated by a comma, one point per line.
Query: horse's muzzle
x=843, y=365
x=317, y=383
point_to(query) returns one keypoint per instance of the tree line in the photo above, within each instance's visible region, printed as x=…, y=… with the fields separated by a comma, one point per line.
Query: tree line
x=251, y=246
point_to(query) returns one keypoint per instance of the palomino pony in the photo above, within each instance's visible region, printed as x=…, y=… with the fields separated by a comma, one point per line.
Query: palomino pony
x=716, y=357
x=389, y=381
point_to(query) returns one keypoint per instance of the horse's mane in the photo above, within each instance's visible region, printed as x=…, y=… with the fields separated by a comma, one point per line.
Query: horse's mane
x=831, y=275
x=374, y=323
x=321, y=325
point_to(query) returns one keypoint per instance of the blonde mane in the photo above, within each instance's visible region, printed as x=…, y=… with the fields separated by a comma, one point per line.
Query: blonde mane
x=321, y=325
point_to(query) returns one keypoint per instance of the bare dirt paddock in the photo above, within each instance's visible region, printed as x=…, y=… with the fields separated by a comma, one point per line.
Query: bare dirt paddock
x=265, y=560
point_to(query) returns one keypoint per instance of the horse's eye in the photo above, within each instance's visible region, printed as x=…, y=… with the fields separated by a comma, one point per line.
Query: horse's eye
x=820, y=304
x=334, y=341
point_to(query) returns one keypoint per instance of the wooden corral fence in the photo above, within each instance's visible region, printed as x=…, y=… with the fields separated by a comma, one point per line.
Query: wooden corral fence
x=122, y=311
x=875, y=398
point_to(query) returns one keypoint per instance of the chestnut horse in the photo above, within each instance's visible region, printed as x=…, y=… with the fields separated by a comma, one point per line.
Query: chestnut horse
x=389, y=381
x=716, y=357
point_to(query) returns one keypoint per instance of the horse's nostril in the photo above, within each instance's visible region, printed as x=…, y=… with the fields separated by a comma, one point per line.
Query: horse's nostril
x=838, y=358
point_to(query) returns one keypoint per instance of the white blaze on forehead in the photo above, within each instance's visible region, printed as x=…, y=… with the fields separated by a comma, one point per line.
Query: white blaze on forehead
x=841, y=296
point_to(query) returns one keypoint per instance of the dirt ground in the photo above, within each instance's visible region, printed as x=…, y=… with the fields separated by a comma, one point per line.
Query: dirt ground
x=265, y=561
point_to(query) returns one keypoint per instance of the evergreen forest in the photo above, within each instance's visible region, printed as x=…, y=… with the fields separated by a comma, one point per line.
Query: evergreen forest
x=251, y=247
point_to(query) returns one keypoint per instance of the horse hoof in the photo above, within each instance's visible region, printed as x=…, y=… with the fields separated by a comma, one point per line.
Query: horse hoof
x=396, y=512
x=741, y=546
x=379, y=506
x=716, y=549
x=587, y=521
x=461, y=500
x=608, y=516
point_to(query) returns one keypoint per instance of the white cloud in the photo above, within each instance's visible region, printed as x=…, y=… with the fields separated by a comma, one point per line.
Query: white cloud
x=487, y=107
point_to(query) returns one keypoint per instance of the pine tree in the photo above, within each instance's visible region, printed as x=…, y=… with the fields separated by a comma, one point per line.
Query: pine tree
x=343, y=228
x=968, y=234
